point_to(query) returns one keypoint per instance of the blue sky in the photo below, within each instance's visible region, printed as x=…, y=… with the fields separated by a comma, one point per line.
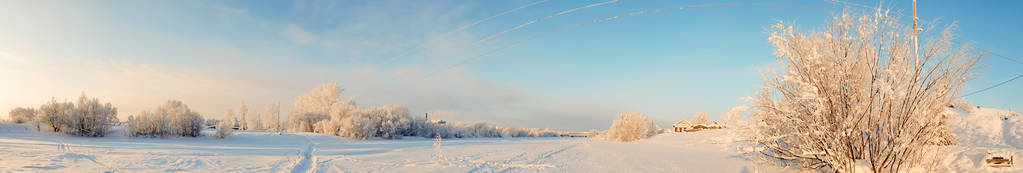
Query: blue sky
x=214, y=54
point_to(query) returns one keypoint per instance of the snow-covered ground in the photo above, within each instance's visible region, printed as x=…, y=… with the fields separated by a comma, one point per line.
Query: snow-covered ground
x=978, y=133
x=23, y=150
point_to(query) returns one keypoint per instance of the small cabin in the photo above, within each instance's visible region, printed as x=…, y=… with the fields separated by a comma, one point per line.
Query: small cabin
x=681, y=126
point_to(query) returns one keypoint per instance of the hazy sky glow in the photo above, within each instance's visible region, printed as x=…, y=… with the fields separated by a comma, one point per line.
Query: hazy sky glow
x=214, y=54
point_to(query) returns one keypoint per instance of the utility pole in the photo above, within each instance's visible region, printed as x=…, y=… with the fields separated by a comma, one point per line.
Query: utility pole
x=916, y=44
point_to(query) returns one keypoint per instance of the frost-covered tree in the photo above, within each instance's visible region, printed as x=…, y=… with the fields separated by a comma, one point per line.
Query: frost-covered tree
x=256, y=122
x=172, y=118
x=54, y=114
x=701, y=118
x=631, y=126
x=734, y=116
x=356, y=127
x=229, y=119
x=147, y=124
x=312, y=107
x=271, y=117
x=183, y=121
x=90, y=118
x=22, y=115
x=390, y=121
x=87, y=117
x=857, y=92
x=243, y=112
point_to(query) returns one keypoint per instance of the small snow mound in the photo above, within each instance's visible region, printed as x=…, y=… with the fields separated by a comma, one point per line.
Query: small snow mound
x=74, y=156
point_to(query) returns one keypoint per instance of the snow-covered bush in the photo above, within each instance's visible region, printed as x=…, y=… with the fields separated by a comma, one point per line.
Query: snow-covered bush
x=701, y=118
x=229, y=120
x=22, y=115
x=312, y=107
x=631, y=126
x=857, y=93
x=271, y=117
x=223, y=130
x=90, y=118
x=172, y=118
x=147, y=124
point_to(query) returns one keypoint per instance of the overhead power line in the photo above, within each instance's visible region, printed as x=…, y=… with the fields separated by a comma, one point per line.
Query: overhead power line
x=1006, y=58
x=993, y=86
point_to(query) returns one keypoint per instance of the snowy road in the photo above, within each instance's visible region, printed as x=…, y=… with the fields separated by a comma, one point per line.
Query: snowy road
x=258, y=151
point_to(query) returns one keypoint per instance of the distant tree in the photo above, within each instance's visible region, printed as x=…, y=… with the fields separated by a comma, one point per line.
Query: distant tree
x=734, y=117
x=229, y=119
x=90, y=118
x=701, y=118
x=631, y=126
x=312, y=107
x=172, y=118
x=271, y=117
x=183, y=120
x=22, y=115
x=243, y=112
x=54, y=114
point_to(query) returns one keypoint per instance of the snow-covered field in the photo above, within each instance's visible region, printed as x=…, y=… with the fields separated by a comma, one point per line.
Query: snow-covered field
x=24, y=150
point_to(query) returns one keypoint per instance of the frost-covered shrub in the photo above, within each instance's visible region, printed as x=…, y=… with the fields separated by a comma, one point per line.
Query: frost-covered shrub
x=858, y=93
x=223, y=130
x=631, y=126
x=173, y=118
x=312, y=107
x=147, y=124
x=22, y=115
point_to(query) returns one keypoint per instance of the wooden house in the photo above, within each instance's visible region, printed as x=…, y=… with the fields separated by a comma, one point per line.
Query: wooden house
x=681, y=126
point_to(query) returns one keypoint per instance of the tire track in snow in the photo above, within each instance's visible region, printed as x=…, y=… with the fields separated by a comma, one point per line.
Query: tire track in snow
x=308, y=161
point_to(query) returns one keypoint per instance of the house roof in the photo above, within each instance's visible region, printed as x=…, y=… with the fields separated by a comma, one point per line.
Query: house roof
x=683, y=123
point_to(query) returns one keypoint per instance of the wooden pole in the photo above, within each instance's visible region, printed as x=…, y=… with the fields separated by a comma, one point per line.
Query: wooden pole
x=916, y=44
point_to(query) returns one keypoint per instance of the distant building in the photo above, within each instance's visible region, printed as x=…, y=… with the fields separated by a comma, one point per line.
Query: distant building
x=681, y=126
x=441, y=122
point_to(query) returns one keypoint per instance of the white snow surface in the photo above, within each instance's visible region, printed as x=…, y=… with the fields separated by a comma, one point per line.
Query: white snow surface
x=22, y=149
x=980, y=133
